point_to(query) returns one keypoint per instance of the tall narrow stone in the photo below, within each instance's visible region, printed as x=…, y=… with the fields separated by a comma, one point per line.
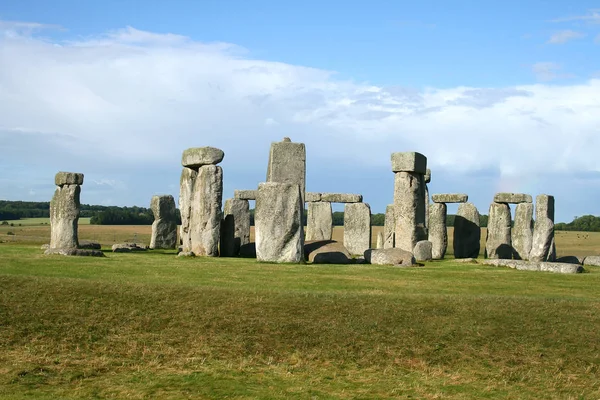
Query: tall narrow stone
x=427, y=180
x=278, y=223
x=64, y=211
x=438, y=234
x=319, y=221
x=186, y=188
x=205, y=211
x=409, y=211
x=379, y=244
x=287, y=164
x=498, y=242
x=543, y=248
x=357, y=228
x=467, y=232
x=522, y=233
x=235, y=230
x=164, y=227
x=389, y=229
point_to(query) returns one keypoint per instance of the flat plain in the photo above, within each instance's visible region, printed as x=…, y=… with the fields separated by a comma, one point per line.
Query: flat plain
x=152, y=325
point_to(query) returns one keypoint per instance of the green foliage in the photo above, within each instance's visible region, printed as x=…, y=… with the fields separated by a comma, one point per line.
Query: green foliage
x=586, y=223
x=123, y=216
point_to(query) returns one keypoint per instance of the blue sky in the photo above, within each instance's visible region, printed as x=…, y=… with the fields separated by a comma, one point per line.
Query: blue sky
x=498, y=95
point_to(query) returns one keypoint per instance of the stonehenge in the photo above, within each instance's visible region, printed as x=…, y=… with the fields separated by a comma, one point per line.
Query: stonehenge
x=438, y=233
x=235, y=228
x=450, y=198
x=542, y=247
x=467, y=232
x=522, y=233
x=287, y=164
x=319, y=225
x=64, y=211
x=200, y=196
x=498, y=242
x=389, y=228
x=164, y=227
x=357, y=228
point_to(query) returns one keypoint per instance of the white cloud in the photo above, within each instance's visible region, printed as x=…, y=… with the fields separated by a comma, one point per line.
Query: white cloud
x=549, y=71
x=564, y=36
x=592, y=16
x=133, y=98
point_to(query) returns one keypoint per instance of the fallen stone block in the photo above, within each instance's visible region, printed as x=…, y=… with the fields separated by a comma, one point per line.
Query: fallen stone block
x=593, y=261
x=423, y=250
x=326, y=252
x=75, y=252
x=393, y=256
x=522, y=265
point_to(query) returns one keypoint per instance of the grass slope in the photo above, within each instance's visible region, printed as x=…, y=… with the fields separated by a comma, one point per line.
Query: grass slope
x=154, y=325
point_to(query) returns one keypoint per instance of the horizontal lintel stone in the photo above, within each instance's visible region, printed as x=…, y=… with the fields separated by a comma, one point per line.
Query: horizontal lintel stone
x=341, y=198
x=450, y=198
x=409, y=162
x=195, y=157
x=68, y=178
x=245, y=194
x=312, y=196
x=512, y=198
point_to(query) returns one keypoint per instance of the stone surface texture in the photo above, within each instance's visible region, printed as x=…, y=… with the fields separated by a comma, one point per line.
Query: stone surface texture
x=409, y=162
x=522, y=232
x=438, y=233
x=312, y=196
x=205, y=212
x=389, y=257
x=467, y=232
x=164, y=227
x=498, y=241
x=389, y=228
x=287, y=164
x=523, y=265
x=593, y=261
x=64, y=217
x=512, y=198
x=319, y=221
x=357, y=227
x=409, y=210
x=68, y=178
x=244, y=194
x=197, y=157
x=379, y=243
x=235, y=231
x=423, y=250
x=450, y=198
x=326, y=252
x=341, y=197
x=543, y=248
x=278, y=223
x=186, y=189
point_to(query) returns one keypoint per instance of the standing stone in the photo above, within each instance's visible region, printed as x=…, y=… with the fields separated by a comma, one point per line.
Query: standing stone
x=186, y=188
x=522, y=233
x=278, y=223
x=467, y=231
x=379, y=240
x=64, y=211
x=357, y=228
x=498, y=242
x=422, y=250
x=235, y=229
x=543, y=248
x=427, y=178
x=438, y=234
x=205, y=211
x=164, y=227
x=409, y=210
x=319, y=221
x=389, y=228
x=287, y=164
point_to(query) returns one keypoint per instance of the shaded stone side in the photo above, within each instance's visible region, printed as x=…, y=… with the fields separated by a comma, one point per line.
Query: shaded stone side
x=357, y=228
x=409, y=210
x=389, y=228
x=64, y=217
x=278, y=223
x=164, y=227
x=438, y=234
x=186, y=188
x=235, y=229
x=205, y=211
x=319, y=221
x=522, y=233
x=467, y=232
x=287, y=164
x=543, y=248
x=498, y=240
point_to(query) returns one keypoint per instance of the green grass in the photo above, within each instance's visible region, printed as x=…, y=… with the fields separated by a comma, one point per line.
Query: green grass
x=153, y=325
x=41, y=221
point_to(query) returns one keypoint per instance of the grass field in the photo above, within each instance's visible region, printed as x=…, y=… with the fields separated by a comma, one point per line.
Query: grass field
x=153, y=325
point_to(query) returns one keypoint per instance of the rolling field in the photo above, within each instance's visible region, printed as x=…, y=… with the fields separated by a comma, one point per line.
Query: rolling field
x=152, y=325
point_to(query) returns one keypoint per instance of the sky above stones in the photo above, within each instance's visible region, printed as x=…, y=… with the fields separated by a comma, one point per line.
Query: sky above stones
x=500, y=96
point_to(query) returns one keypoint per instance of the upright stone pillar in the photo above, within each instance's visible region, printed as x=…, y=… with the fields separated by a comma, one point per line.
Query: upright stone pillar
x=278, y=223
x=522, y=233
x=409, y=199
x=543, y=248
x=287, y=164
x=319, y=221
x=467, y=232
x=389, y=228
x=64, y=211
x=438, y=234
x=200, y=197
x=235, y=230
x=498, y=242
x=427, y=180
x=164, y=227
x=357, y=228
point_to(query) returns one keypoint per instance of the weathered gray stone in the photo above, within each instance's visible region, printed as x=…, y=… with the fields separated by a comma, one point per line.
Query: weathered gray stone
x=86, y=244
x=164, y=227
x=409, y=211
x=341, y=197
x=426, y=207
x=592, y=261
x=389, y=228
x=196, y=157
x=498, y=242
x=450, y=198
x=427, y=175
x=512, y=198
x=287, y=164
x=522, y=233
x=438, y=233
x=467, y=232
x=357, y=227
x=68, y=178
x=379, y=244
x=319, y=221
x=326, y=252
x=422, y=251
x=278, y=223
x=312, y=196
x=523, y=265
x=75, y=252
x=185, y=254
x=389, y=257
x=128, y=247
x=64, y=217
x=235, y=228
x=205, y=212
x=186, y=189
x=542, y=248
x=244, y=194
x=409, y=162
x=466, y=260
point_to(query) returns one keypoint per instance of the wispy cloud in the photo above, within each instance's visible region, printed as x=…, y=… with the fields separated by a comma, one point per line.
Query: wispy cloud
x=592, y=16
x=564, y=36
x=10, y=28
x=549, y=71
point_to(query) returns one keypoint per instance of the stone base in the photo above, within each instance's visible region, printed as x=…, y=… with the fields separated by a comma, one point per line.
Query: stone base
x=75, y=252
